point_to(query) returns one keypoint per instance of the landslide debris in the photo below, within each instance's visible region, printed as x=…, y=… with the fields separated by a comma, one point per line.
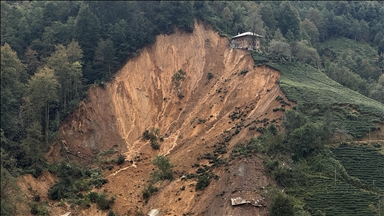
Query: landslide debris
x=203, y=98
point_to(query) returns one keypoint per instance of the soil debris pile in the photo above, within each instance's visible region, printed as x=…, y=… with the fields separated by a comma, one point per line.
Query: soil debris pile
x=192, y=89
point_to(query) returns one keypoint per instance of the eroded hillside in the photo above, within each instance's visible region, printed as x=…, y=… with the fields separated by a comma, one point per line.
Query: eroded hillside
x=221, y=100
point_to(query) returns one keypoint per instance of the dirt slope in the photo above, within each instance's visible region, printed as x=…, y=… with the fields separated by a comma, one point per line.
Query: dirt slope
x=143, y=95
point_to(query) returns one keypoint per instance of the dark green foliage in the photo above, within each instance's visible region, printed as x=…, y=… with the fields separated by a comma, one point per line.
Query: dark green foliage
x=202, y=182
x=243, y=72
x=109, y=33
x=35, y=171
x=288, y=177
x=209, y=75
x=123, y=23
x=87, y=33
x=120, y=159
x=338, y=199
x=155, y=144
x=353, y=64
x=99, y=182
x=101, y=200
x=111, y=213
x=281, y=206
x=305, y=140
x=13, y=80
x=164, y=169
x=289, y=21
x=9, y=191
x=293, y=120
x=104, y=60
x=59, y=191
x=306, y=54
x=317, y=93
x=39, y=209
x=178, y=77
x=259, y=58
x=74, y=180
x=362, y=162
x=147, y=192
x=153, y=136
x=164, y=172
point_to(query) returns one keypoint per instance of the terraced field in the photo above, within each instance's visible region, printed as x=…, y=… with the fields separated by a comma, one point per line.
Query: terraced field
x=362, y=162
x=340, y=198
x=318, y=94
x=311, y=88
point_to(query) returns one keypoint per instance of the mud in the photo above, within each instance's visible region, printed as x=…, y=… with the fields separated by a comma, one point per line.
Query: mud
x=143, y=95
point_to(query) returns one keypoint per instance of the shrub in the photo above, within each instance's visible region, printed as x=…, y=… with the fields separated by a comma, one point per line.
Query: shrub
x=101, y=200
x=305, y=140
x=59, y=190
x=120, y=159
x=281, y=206
x=73, y=181
x=39, y=209
x=111, y=213
x=107, y=152
x=180, y=95
x=152, y=135
x=148, y=191
x=165, y=169
x=34, y=209
x=202, y=182
x=36, y=171
x=177, y=77
x=243, y=72
x=99, y=182
x=155, y=145
x=209, y=75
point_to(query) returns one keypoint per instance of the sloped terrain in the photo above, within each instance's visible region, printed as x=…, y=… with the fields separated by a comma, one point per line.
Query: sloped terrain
x=315, y=91
x=220, y=101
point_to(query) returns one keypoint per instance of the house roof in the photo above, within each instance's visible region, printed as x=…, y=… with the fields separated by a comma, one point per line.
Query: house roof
x=246, y=34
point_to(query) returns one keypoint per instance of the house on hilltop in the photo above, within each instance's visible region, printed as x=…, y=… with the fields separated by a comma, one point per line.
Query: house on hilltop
x=246, y=40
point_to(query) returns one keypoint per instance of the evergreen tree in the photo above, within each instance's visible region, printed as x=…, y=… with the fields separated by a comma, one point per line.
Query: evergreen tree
x=118, y=35
x=13, y=79
x=66, y=62
x=105, y=60
x=378, y=37
x=377, y=90
x=31, y=61
x=87, y=33
x=227, y=17
x=253, y=20
x=43, y=88
x=268, y=17
x=9, y=191
x=311, y=29
x=289, y=21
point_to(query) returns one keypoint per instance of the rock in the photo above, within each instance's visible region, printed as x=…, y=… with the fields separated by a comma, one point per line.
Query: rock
x=154, y=212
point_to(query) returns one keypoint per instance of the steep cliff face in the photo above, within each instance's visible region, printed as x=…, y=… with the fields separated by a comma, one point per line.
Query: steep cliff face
x=221, y=91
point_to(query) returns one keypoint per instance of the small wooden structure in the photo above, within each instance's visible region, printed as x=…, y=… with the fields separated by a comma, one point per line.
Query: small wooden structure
x=246, y=40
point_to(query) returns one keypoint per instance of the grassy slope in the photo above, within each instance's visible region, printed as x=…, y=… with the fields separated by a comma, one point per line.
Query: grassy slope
x=315, y=93
x=311, y=88
x=359, y=49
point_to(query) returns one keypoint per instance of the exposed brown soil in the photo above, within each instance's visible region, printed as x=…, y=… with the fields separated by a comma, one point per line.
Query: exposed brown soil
x=142, y=95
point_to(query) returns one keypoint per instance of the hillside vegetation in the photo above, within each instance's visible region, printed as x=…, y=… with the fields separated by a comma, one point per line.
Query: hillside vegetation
x=317, y=94
x=86, y=80
x=336, y=181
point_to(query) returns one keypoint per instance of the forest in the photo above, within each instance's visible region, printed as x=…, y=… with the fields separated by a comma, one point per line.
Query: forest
x=53, y=51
